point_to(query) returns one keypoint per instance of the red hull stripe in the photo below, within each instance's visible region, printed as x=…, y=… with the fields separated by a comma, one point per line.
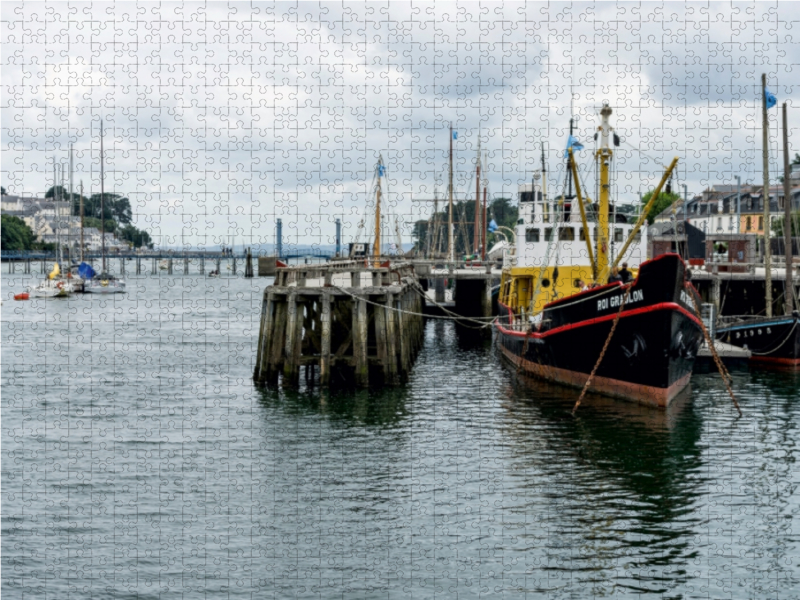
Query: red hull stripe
x=625, y=313
x=795, y=362
x=643, y=394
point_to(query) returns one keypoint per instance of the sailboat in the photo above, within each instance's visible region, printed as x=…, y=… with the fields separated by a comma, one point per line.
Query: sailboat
x=638, y=339
x=55, y=286
x=102, y=283
x=771, y=339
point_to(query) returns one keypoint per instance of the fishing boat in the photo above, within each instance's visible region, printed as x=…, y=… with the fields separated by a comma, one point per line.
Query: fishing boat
x=563, y=317
x=771, y=339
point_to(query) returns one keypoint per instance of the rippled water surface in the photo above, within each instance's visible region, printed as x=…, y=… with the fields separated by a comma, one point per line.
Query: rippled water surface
x=138, y=461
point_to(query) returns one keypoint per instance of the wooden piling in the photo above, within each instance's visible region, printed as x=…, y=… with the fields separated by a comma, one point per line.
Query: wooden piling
x=360, y=328
x=325, y=341
x=311, y=319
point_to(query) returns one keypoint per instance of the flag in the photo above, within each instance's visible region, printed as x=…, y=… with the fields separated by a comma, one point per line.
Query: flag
x=771, y=99
x=572, y=142
x=455, y=135
x=492, y=226
x=381, y=170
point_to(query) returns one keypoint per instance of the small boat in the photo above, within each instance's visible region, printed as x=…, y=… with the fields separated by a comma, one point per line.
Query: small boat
x=773, y=340
x=213, y=273
x=163, y=264
x=104, y=283
x=22, y=296
x=55, y=286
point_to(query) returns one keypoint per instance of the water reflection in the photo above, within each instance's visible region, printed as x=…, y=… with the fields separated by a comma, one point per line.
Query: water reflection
x=383, y=408
x=624, y=479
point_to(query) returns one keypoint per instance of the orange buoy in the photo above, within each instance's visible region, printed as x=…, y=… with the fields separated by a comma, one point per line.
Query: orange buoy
x=22, y=296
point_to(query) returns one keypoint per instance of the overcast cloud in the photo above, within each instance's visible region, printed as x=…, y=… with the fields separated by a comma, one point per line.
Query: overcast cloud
x=221, y=118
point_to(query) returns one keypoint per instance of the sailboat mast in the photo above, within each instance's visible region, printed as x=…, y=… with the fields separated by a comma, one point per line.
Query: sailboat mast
x=787, y=219
x=604, y=155
x=102, y=206
x=376, y=250
x=69, y=212
x=483, y=223
x=765, y=153
x=450, y=249
x=81, y=200
x=55, y=210
x=476, y=229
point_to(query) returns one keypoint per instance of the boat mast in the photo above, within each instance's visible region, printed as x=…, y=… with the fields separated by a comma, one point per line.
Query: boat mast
x=483, y=223
x=476, y=228
x=450, y=249
x=545, y=203
x=376, y=250
x=787, y=219
x=55, y=211
x=81, y=200
x=604, y=155
x=765, y=153
x=102, y=207
x=69, y=212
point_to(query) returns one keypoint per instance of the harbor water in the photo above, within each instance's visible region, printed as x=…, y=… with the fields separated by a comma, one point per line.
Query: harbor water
x=139, y=461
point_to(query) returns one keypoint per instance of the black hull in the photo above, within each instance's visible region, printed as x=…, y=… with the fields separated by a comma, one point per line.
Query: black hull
x=774, y=340
x=651, y=355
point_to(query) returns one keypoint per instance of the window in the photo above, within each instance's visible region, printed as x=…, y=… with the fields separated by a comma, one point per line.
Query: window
x=638, y=236
x=760, y=223
x=748, y=223
x=532, y=235
x=548, y=234
x=780, y=202
x=618, y=236
x=582, y=235
x=566, y=234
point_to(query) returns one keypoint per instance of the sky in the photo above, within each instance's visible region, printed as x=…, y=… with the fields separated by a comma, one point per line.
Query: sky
x=222, y=117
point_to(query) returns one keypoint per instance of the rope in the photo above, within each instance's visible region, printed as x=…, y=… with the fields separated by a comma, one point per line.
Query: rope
x=456, y=316
x=726, y=376
x=416, y=314
x=603, y=351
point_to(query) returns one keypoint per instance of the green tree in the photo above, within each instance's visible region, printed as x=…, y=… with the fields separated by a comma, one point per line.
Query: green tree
x=777, y=225
x=663, y=201
x=136, y=237
x=16, y=235
x=110, y=224
x=3, y=191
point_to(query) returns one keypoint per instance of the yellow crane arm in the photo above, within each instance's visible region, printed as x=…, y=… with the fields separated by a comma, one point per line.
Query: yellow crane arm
x=586, y=235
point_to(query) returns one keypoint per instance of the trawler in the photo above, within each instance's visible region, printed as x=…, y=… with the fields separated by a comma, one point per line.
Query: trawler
x=560, y=301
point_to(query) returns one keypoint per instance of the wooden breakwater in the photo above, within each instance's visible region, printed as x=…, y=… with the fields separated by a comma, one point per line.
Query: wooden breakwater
x=340, y=323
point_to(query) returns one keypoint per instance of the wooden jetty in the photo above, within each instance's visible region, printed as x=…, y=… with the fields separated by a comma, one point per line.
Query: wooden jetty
x=348, y=322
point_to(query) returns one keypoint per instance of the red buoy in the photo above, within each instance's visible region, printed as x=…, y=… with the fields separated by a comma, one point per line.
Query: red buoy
x=22, y=296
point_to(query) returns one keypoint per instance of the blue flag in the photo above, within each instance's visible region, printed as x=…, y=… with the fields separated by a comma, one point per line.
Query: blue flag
x=771, y=99
x=573, y=143
x=381, y=170
x=492, y=226
x=455, y=135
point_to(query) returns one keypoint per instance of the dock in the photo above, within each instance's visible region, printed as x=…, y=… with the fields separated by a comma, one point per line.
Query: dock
x=340, y=323
x=733, y=357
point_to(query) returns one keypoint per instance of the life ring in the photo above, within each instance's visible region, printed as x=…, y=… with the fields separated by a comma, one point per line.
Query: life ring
x=60, y=285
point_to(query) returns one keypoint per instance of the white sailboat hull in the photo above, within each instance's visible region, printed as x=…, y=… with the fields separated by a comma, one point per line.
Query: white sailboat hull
x=103, y=286
x=51, y=289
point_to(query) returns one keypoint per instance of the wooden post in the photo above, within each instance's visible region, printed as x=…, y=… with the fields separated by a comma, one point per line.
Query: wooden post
x=185, y=265
x=294, y=335
x=153, y=268
x=169, y=266
x=122, y=266
x=138, y=265
x=355, y=278
x=202, y=265
x=264, y=337
x=325, y=341
x=360, y=342
x=276, y=350
x=392, y=377
x=380, y=339
x=402, y=337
